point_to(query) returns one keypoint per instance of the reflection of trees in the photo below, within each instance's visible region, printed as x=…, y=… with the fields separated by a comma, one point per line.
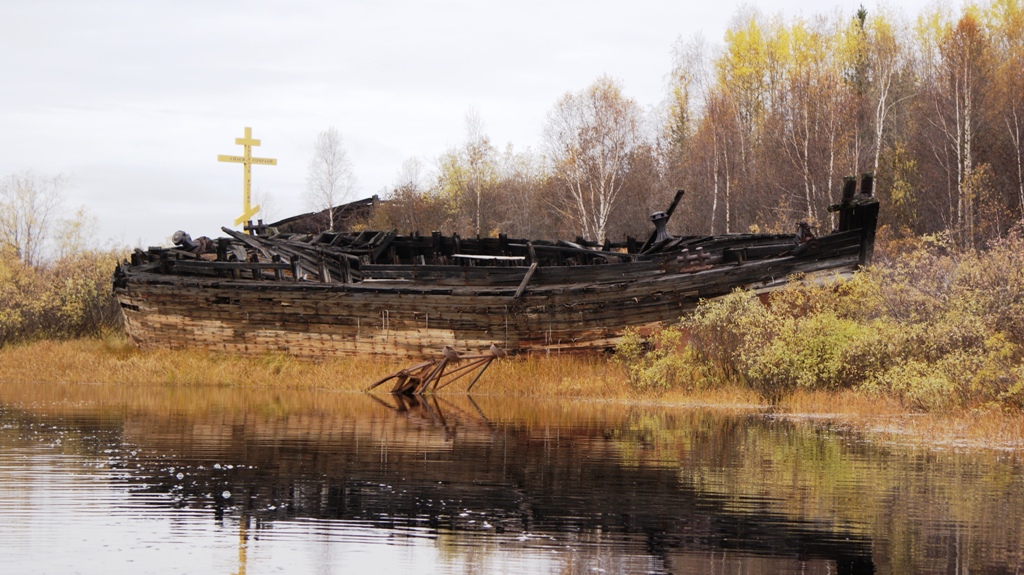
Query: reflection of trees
x=439, y=468
x=924, y=510
x=681, y=485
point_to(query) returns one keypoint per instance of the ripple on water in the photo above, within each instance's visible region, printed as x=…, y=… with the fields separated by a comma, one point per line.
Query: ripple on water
x=443, y=488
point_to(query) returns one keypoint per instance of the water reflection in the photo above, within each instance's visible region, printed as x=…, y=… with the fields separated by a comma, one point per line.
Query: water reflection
x=250, y=481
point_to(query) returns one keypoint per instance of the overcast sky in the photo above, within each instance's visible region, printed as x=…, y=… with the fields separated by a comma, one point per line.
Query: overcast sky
x=134, y=100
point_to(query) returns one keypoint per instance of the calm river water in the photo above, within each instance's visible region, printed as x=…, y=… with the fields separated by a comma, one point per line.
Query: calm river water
x=114, y=479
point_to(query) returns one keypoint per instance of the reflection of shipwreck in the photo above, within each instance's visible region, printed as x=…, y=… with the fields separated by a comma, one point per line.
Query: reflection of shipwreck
x=502, y=472
x=381, y=293
x=425, y=468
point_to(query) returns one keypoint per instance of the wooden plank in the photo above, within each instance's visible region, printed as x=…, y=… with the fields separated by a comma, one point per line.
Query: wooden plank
x=526, y=280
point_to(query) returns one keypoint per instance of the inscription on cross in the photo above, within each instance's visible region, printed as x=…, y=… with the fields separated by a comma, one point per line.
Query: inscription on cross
x=247, y=142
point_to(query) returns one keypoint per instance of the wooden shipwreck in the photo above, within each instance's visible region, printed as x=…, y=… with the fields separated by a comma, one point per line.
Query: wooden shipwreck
x=376, y=292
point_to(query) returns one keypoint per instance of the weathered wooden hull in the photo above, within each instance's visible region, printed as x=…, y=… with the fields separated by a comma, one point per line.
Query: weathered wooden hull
x=416, y=312
x=377, y=293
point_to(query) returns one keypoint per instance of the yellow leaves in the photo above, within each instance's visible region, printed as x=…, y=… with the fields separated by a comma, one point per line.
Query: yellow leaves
x=942, y=38
x=745, y=63
x=798, y=101
x=880, y=27
x=806, y=47
x=453, y=175
x=70, y=298
x=1005, y=21
x=768, y=60
x=939, y=330
x=933, y=24
x=657, y=363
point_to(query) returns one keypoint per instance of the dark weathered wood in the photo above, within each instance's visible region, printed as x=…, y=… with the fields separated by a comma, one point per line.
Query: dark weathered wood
x=668, y=213
x=375, y=292
x=431, y=375
x=526, y=280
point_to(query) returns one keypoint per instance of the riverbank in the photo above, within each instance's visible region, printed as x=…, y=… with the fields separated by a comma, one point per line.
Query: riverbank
x=576, y=379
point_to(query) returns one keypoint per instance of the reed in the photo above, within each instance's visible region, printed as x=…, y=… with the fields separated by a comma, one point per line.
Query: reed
x=112, y=359
x=887, y=419
x=590, y=384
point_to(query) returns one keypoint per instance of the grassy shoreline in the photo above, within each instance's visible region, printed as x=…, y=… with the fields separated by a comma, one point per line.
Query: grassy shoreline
x=578, y=378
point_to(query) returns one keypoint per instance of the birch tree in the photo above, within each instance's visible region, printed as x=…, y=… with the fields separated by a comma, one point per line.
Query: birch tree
x=28, y=205
x=750, y=76
x=805, y=109
x=889, y=61
x=330, y=178
x=467, y=177
x=589, y=137
x=1007, y=22
x=410, y=206
x=958, y=73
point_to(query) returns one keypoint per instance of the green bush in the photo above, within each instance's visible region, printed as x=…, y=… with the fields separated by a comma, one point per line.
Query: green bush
x=656, y=362
x=724, y=334
x=934, y=327
x=819, y=351
x=986, y=374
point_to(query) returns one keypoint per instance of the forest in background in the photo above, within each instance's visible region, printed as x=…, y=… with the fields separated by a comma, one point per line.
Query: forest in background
x=760, y=132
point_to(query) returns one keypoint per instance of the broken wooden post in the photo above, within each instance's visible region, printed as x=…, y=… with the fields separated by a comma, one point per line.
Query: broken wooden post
x=859, y=212
x=278, y=274
x=222, y=249
x=526, y=280
x=325, y=274
x=428, y=376
x=865, y=217
x=346, y=270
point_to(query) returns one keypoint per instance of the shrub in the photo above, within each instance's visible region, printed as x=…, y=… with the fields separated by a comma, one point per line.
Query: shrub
x=67, y=298
x=725, y=333
x=935, y=327
x=986, y=374
x=657, y=362
x=819, y=351
x=1014, y=394
x=919, y=385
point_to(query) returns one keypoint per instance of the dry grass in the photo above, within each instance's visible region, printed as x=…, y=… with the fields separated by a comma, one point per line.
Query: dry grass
x=845, y=403
x=589, y=383
x=884, y=418
x=114, y=360
x=568, y=376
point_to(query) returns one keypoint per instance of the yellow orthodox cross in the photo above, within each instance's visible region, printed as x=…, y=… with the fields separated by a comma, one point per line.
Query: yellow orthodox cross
x=247, y=142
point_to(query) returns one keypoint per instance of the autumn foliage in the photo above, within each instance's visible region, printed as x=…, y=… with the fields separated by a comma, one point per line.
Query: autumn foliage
x=67, y=298
x=935, y=327
x=760, y=130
